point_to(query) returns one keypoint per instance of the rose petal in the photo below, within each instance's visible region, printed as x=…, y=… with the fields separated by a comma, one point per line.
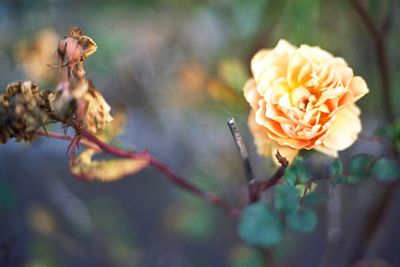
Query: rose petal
x=344, y=129
x=251, y=94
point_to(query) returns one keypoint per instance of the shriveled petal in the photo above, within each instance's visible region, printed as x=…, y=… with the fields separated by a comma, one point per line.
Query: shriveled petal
x=344, y=130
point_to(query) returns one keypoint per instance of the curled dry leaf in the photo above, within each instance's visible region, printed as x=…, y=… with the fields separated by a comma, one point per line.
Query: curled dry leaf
x=105, y=170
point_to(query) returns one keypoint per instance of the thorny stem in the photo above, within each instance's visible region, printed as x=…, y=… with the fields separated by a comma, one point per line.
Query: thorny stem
x=92, y=141
x=237, y=137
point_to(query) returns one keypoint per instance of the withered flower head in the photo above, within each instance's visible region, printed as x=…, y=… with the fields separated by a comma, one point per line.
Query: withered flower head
x=23, y=110
x=76, y=47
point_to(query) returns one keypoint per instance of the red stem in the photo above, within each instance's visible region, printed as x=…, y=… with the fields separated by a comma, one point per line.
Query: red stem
x=265, y=185
x=94, y=142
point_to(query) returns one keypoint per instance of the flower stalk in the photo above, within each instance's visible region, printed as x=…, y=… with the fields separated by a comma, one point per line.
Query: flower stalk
x=91, y=141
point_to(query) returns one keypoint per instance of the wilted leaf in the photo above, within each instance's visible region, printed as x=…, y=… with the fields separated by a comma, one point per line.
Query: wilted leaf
x=303, y=221
x=105, y=170
x=287, y=198
x=386, y=170
x=260, y=225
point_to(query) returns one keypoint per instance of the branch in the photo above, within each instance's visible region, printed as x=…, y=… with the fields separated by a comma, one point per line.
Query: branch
x=381, y=53
x=93, y=142
x=84, y=142
x=274, y=179
x=237, y=137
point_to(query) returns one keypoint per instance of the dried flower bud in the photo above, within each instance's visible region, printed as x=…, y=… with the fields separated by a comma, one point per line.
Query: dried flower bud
x=23, y=110
x=76, y=47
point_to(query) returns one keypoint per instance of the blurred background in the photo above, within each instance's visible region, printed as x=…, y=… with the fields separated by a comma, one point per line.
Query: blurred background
x=178, y=68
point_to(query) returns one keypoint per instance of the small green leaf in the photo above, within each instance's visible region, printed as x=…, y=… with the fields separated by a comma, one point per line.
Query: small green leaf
x=339, y=179
x=304, y=221
x=290, y=175
x=313, y=198
x=354, y=178
x=386, y=170
x=287, y=198
x=297, y=172
x=260, y=225
x=359, y=165
x=335, y=168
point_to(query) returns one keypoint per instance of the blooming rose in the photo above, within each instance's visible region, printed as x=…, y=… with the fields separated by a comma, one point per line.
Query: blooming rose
x=302, y=98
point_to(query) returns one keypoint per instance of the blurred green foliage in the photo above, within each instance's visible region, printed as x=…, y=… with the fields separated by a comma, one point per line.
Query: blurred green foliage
x=260, y=225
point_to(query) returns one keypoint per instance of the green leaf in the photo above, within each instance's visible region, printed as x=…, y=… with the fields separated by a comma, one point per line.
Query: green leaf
x=386, y=170
x=297, y=172
x=335, y=168
x=313, y=198
x=290, y=175
x=304, y=221
x=354, y=178
x=359, y=165
x=339, y=179
x=260, y=225
x=287, y=198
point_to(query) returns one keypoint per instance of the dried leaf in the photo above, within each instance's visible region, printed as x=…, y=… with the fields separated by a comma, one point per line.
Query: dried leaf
x=105, y=170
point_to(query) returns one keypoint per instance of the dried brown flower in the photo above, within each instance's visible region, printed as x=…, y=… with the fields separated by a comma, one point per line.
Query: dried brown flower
x=23, y=110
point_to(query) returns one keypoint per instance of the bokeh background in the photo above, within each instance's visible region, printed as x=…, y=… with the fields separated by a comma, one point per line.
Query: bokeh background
x=178, y=68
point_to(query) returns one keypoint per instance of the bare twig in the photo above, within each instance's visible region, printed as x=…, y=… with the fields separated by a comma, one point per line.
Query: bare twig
x=237, y=137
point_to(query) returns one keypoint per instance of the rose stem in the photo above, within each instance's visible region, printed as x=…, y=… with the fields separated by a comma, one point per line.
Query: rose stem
x=84, y=142
x=237, y=137
x=276, y=176
x=95, y=143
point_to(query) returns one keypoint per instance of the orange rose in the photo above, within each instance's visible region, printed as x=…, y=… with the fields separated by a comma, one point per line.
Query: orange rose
x=302, y=98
